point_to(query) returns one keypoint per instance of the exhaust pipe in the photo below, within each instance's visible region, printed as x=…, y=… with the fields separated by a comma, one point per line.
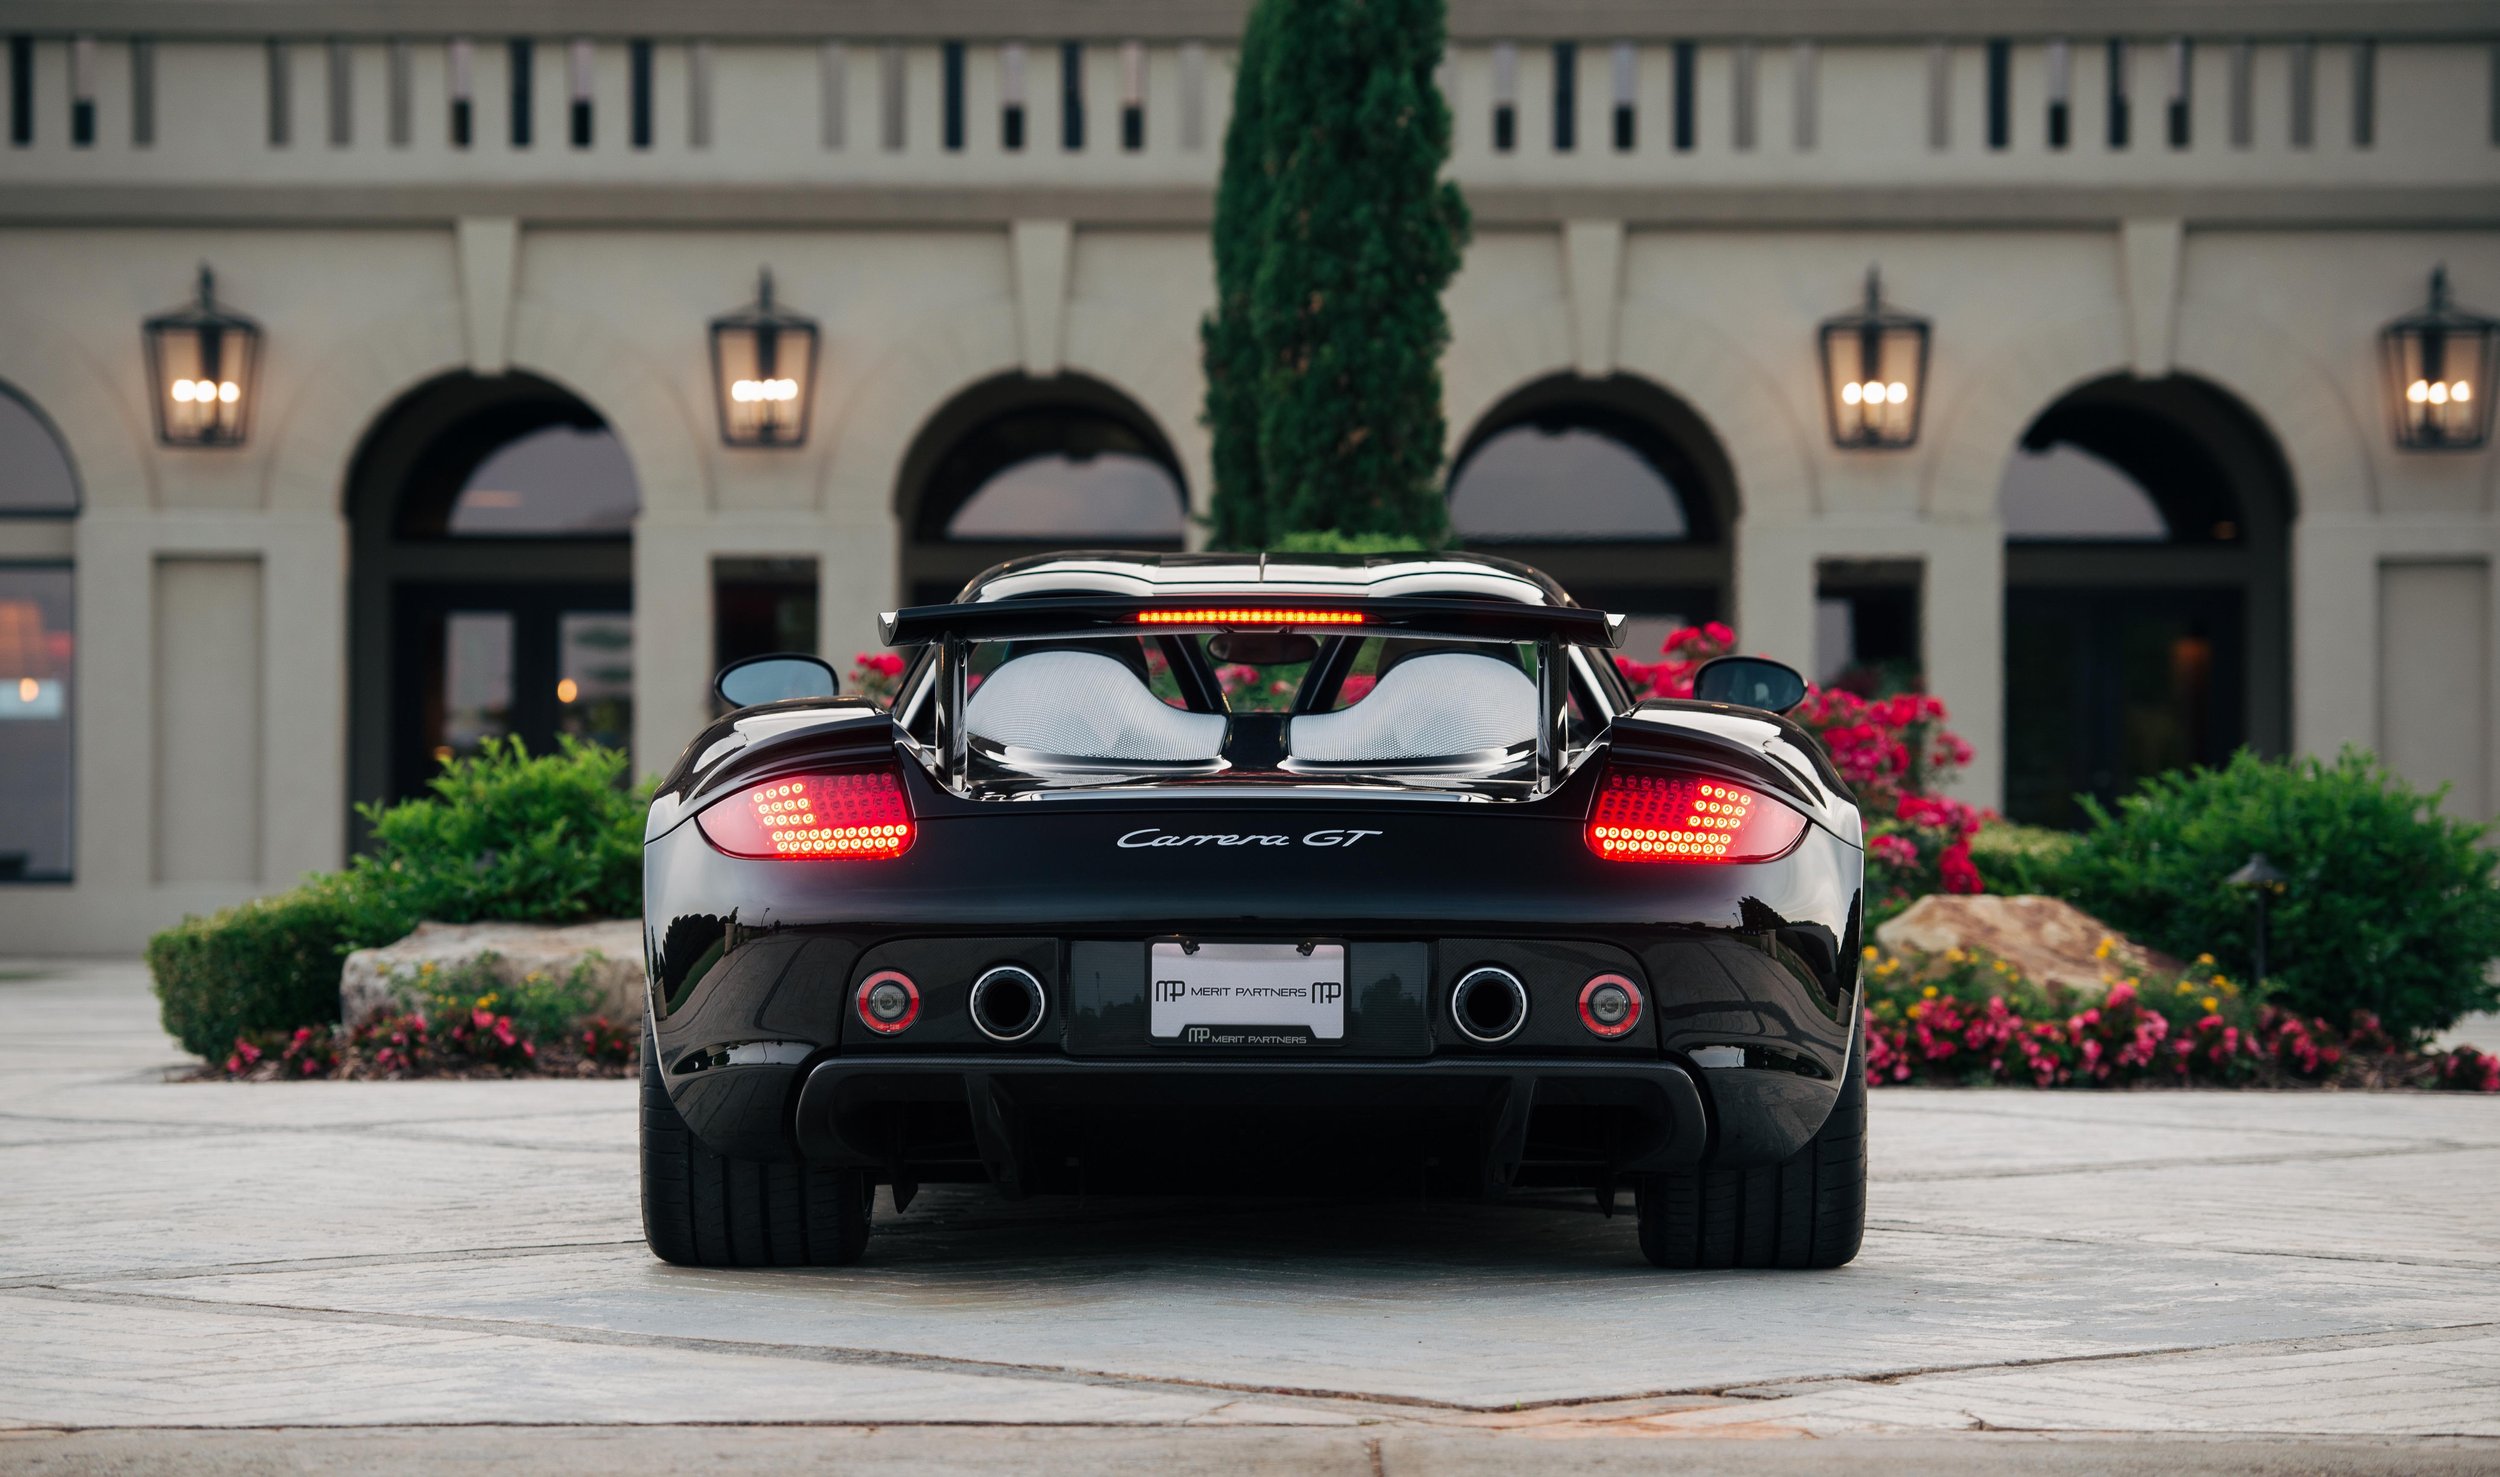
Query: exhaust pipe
x=1007, y=1003
x=1489, y=1004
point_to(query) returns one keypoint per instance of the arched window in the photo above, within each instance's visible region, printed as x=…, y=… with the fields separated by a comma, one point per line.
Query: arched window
x=1615, y=488
x=1018, y=466
x=38, y=650
x=1564, y=480
x=510, y=457
x=2063, y=492
x=2109, y=465
x=1060, y=476
x=566, y=480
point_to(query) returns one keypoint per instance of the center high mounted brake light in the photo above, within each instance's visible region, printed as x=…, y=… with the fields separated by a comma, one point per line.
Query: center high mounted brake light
x=1238, y=616
x=1641, y=816
x=860, y=814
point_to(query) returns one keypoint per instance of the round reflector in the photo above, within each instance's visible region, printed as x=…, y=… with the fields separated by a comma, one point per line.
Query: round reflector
x=1610, y=1005
x=888, y=1001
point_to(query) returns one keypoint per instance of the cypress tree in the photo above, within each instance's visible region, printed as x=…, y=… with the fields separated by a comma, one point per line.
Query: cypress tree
x=1348, y=235
x=1230, y=355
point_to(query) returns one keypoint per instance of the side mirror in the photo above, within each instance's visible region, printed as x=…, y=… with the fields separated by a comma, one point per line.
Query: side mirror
x=771, y=678
x=1750, y=681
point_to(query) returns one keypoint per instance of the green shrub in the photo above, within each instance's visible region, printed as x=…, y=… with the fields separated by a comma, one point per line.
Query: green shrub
x=2390, y=907
x=2017, y=858
x=269, y=965
x=1336, y=232
x=504, y=836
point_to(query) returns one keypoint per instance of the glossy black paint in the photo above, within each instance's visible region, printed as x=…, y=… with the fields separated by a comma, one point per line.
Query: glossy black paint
x=1748, y=972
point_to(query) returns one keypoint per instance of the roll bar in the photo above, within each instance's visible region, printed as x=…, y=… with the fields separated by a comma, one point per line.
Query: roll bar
x=953, y=628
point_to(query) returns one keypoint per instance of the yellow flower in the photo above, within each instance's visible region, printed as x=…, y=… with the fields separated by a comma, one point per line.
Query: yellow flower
x=2001, y=967
x=1954, y=956
x=1872, y=952
x=1915, y=1009
x=1928, y=994
x=2204, y=958
x=2108, y=942
x=2185, y=987
x=2210, y=1003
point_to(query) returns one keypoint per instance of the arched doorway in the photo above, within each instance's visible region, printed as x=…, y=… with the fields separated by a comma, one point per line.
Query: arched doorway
x=1612, y=486
x=1018, y=465
x=493, y=578
x=2147, y=524
x=38, y=650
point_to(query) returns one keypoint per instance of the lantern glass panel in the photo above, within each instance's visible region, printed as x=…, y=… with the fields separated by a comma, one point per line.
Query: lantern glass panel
x=764, y=373
x=202, y=368
x=1874, y=377
x=2439, y=380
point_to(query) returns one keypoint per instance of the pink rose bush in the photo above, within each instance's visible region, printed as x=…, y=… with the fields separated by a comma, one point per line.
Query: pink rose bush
x=876, y=674
x=392, y=1045
x=1964, y=1018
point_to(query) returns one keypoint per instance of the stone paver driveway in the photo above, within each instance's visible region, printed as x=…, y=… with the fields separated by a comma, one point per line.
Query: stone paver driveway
x=2213, y=1269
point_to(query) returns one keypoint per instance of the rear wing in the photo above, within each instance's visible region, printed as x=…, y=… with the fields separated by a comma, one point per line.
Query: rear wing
x=953, y=628
x=1066, y=616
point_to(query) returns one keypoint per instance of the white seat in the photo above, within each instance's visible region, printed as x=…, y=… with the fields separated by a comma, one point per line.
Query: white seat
x=1437, y=706
x=1084, y=705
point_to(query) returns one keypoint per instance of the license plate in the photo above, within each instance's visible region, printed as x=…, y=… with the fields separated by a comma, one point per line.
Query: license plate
x=1247, y=994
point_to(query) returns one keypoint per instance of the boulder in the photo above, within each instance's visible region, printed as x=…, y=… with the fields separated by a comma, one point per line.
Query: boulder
x=612, y=947
x=2047, y=938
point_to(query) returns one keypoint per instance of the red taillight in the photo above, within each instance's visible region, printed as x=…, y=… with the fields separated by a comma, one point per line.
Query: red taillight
x=860, y=815
x=1645, y=817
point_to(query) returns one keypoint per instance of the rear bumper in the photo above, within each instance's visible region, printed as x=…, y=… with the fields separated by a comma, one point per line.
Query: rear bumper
x=850, y=1110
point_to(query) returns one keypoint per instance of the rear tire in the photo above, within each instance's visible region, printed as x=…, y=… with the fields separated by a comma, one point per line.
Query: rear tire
x=1809, y=1210
x=705, y=1209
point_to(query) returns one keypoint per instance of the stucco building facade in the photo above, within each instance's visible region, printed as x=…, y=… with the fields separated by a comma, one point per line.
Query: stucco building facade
x=2156, y=507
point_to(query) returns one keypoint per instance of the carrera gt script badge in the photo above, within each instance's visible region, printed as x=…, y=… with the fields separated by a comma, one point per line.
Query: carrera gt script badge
x=1155, y=836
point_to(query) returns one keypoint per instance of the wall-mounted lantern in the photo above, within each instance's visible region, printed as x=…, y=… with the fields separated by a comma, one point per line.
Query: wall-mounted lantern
x=2439, y=373
x=1874, y=372
x=202, y=360
x=764, y=371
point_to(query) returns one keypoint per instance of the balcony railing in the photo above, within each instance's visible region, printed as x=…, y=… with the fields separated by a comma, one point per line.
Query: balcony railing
x=2165, y=111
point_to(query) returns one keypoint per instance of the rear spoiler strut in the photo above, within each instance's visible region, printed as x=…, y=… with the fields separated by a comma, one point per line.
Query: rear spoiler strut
x=951, y=628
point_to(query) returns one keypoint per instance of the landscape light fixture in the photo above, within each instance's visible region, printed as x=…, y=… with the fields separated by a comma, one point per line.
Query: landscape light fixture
x=201, y=364
x=764, y=371
x=2439, y=372
x=2260, y=879
x=1874, y=373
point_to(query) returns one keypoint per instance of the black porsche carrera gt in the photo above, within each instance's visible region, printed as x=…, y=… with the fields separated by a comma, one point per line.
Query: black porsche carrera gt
x=1225, y=872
